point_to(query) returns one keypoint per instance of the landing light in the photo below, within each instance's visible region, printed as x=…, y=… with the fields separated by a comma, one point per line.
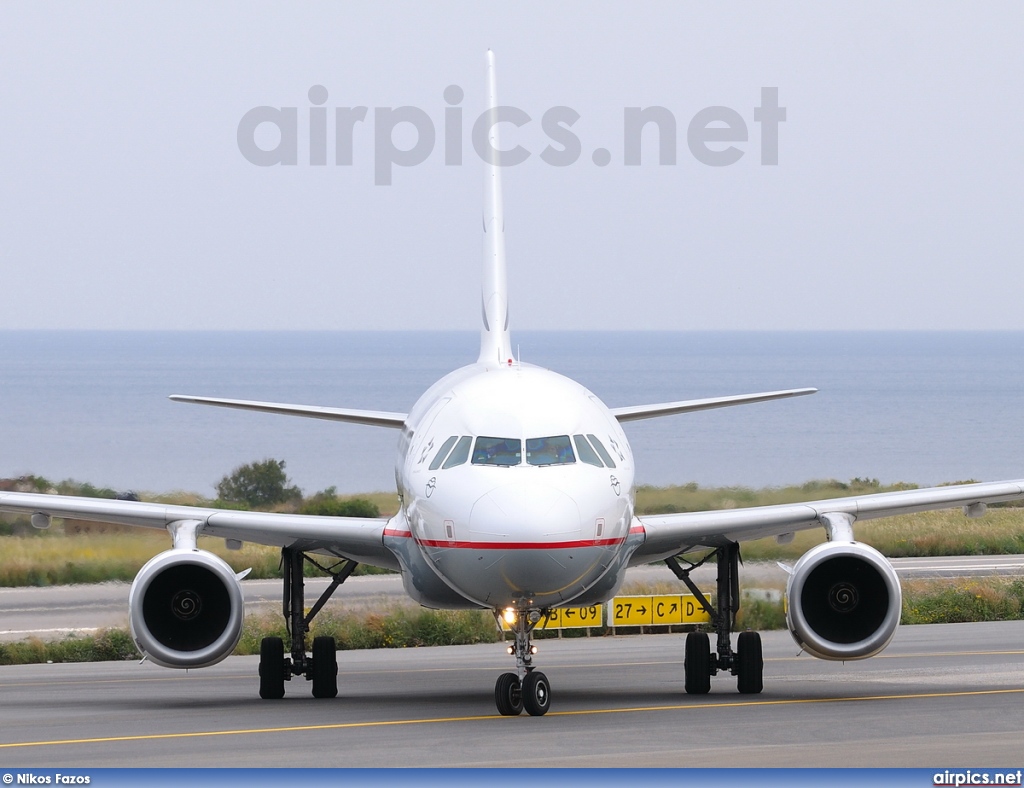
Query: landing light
x=533, y=649
x=509, y=614
x=510, y=650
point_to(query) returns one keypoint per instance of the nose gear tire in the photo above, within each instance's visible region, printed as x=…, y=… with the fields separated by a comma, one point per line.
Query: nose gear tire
x=508, y=696
x=536, y=694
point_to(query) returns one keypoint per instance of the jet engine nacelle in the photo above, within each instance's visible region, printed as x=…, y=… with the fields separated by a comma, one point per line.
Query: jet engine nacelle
x=186, y=609
x=844, y=601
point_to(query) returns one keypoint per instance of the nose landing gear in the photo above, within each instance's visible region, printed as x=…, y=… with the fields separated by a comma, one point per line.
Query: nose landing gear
x=526, y=689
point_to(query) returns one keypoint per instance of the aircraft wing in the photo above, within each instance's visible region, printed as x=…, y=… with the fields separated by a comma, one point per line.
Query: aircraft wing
x=358, y=538
x=635, y=412
x=375, y=418
x=669, y=534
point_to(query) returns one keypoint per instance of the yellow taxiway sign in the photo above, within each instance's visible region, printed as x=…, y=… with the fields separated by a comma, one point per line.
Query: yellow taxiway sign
x=640, y=611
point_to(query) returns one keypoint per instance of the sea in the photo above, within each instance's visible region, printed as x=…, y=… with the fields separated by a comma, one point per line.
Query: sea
x=921, y=407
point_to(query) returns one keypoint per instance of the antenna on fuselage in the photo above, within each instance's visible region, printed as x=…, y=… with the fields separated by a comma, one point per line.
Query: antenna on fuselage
x=495, y=344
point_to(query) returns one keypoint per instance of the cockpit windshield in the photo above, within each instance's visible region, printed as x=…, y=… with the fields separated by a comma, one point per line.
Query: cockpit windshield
x=586, y=452
x=555, y=450
x=602, y=451
x=497, y=451
x=508, y=452
x=460, y=454
x=443, y=452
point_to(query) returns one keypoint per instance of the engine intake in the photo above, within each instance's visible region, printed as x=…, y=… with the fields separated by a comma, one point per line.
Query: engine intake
x=186, y=609
x=844, y=601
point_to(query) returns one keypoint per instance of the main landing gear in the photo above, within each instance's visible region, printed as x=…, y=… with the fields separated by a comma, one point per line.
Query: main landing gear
x=526, y=689
x=699, y=664
x=322, y=667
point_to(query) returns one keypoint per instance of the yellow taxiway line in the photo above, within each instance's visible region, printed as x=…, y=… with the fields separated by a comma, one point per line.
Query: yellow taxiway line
x=437, y=720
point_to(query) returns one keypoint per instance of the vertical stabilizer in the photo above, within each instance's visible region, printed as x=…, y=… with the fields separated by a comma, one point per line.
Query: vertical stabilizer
x=495, y=345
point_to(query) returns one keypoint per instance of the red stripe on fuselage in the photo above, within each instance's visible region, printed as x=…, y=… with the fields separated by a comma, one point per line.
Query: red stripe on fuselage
x=520, y=545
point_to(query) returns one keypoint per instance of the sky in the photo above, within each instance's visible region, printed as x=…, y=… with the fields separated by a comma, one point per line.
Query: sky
x=896, y=203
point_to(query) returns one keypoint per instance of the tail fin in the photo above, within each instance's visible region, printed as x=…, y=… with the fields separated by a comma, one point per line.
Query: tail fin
x=495, y=344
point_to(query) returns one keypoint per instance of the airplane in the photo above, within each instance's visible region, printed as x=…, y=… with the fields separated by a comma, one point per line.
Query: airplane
x=516, y=489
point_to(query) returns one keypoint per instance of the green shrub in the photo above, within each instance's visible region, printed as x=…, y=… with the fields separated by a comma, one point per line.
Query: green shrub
x=104, y=646
x=257, y=484
x=963, y=601
x=761, y=614
x=398, y=627
x=327, y=505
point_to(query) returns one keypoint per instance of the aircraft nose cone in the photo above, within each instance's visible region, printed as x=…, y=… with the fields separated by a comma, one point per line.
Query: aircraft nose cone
x=522, y=512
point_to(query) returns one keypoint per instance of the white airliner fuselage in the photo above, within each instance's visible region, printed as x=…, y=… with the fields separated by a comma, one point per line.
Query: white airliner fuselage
x=517, y=491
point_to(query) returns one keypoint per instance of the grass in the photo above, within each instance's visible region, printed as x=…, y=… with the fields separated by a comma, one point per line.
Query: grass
x=947, y=532
x=398, y=627
x=103, y=553
x=95, y=558
x=692, y=498
x=107, y=645
x=943, y=601
x=53, y=559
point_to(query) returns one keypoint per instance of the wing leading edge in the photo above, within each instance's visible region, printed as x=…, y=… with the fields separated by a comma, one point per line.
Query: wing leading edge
x=358, y=538
x=670, y=534
x=374, y=418
x=636, y=412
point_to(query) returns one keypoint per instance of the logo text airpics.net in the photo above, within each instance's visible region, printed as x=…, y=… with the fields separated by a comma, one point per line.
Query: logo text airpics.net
x=269, y=136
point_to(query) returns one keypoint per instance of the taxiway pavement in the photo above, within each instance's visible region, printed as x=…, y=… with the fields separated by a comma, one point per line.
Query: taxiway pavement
x=940, y=696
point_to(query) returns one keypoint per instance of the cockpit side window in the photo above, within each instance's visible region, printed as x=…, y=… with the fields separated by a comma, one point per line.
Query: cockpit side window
x=460, y=453
x=586, y=452
x=555, y=450
x=602, y=451
x=443, y=452
x=498, y=451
